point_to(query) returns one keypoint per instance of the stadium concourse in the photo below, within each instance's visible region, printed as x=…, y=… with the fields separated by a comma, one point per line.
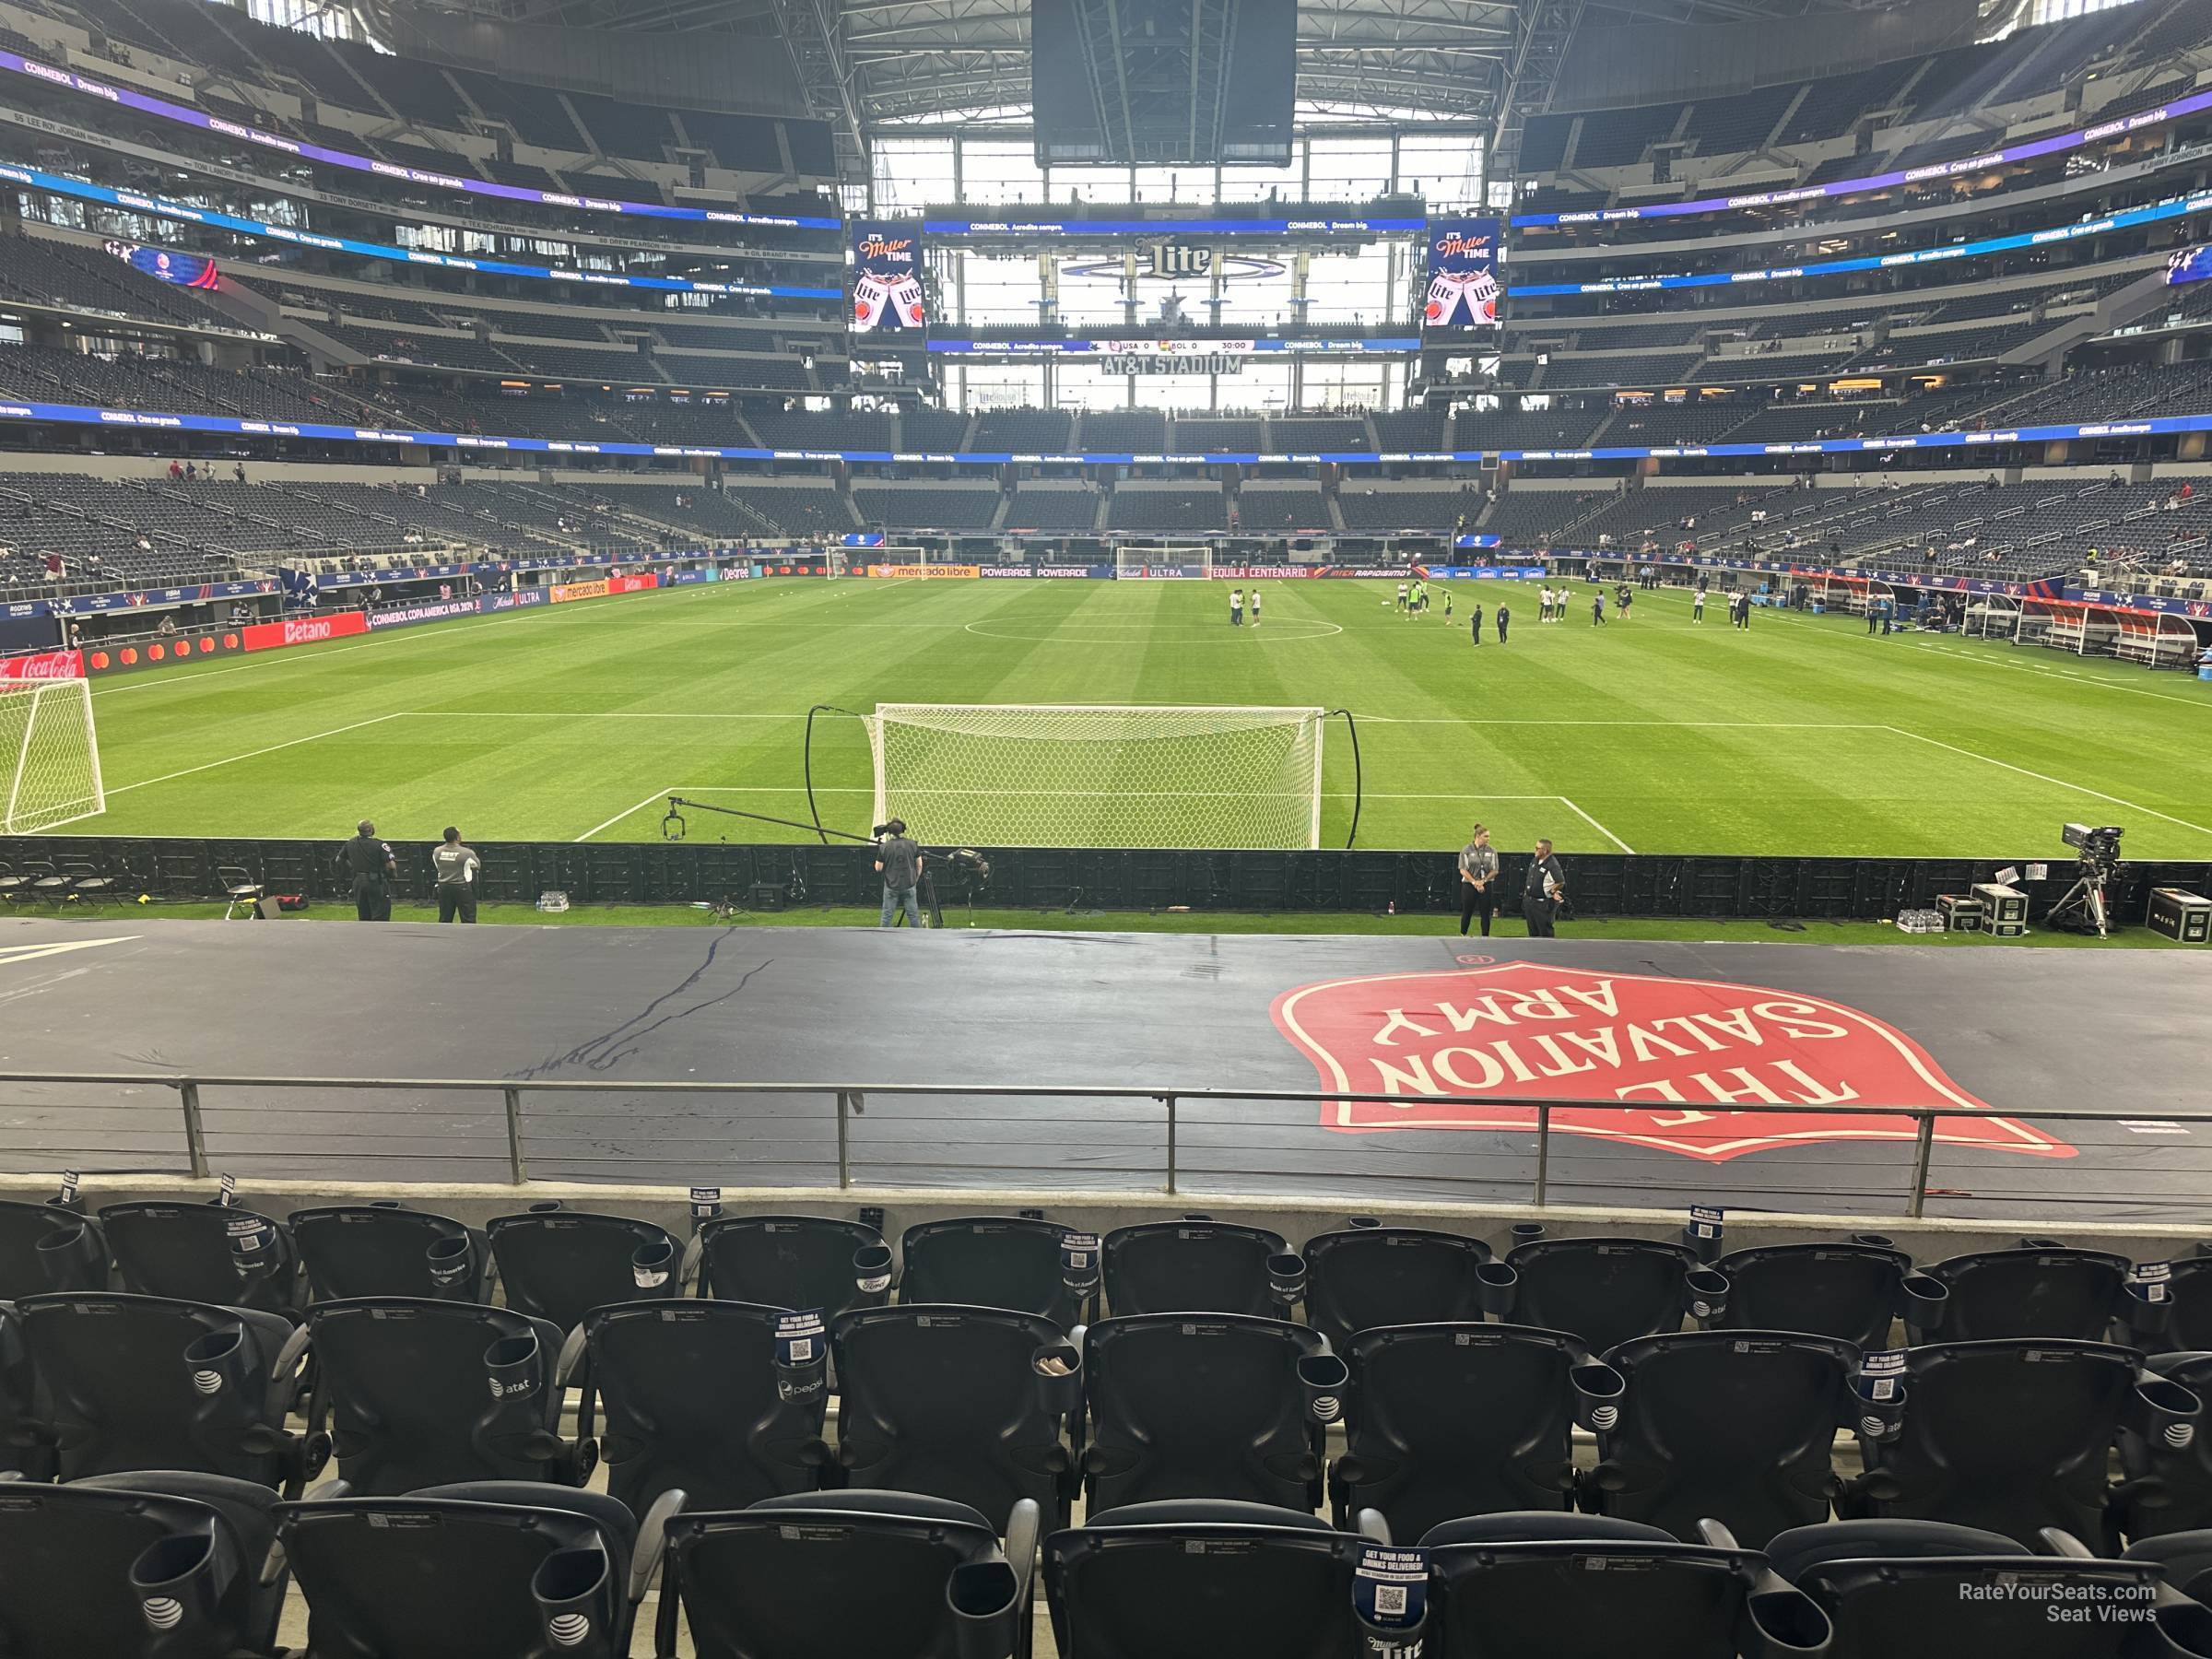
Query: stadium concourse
x=1201, y=452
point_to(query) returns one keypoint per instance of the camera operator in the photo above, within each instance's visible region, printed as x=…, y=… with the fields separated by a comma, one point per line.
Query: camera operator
x=898, y=861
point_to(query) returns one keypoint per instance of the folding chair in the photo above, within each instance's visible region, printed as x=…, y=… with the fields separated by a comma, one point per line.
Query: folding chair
x=486, y=1570
x=696, y=1398
x=243, y=892
x=129, y=1382
x=1213, y=1407
x=850, y=1575
x=1737, y=1427
x=1200, y=1578
x=981, y=1405
x=139, y=1566
x=418, y=1392
x=1443, y=1422
x=381, y=1248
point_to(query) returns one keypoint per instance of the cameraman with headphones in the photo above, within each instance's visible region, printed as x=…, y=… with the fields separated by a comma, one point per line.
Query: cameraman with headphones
x=898, y=861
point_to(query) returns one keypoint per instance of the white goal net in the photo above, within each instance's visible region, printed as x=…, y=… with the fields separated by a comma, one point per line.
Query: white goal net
x=1133, y=563
x=1083, y=775
x=49, y=756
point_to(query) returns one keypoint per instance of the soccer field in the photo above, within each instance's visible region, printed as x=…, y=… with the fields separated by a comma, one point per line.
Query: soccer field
x=1800, y=736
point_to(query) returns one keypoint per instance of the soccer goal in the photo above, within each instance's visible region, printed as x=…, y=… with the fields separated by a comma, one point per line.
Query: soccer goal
x=1084, y=775
x=50, y=753
x=1189, y=563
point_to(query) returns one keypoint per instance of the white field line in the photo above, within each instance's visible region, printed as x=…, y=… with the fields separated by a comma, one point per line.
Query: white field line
x=1595, y=825
x=2056, y=783
x=658, y=794
x=252, y=754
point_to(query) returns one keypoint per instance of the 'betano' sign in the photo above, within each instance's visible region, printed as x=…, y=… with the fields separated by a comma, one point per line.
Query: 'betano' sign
x=88, y=415
x=304, y=630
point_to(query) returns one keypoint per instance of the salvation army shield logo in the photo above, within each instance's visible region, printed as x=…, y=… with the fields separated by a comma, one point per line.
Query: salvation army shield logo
x=1698, y=1064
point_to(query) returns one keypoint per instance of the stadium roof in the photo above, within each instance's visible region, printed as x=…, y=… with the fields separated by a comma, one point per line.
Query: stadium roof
x=868, y=63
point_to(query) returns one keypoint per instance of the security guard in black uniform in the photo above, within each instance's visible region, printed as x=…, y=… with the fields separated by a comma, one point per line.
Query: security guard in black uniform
x=372, y=868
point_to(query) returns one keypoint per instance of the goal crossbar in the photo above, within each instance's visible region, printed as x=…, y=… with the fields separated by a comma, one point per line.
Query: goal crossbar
x=1100, y=774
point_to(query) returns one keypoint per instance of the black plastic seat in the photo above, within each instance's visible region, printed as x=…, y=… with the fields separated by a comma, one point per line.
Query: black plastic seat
x=205, y=1253
x=694, y=1400
x=137, y=1567
x=1199, y=1579
x=1221, y=1407
x=48, y=1247
x=1737, y=1426
x=2032, y=1291
x=130, y=1383
x=1192, y=1265
x=558, y=1264
x=420, y=1392
x=25, y=1446
x=2188, y=1558
x=1593, y=1587
x=353, y=1250
x=995, y=1262
x=850, y=1575
x=1604, y=1291
x=1362, y=1278
x=805, y=1262
x=1420, y=1450
x=492, y=1570
x=977, y=1405
x=1852, y=1290
x=2168, y=1485
x=2190, y=1328
x=2010, y=1437
x=1922, y=1589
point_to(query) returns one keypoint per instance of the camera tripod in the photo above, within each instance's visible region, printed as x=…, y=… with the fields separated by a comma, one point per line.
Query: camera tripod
x=2082, y=907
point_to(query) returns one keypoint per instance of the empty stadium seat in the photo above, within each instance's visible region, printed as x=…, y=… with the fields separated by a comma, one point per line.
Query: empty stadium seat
x=1195, y=1265
x=1919, y=1589
x=418, y=1392
x=1607, y=1291
x=2039, y=1289
x=49, y=1246
x=976, y=1404
x=1443, y=1422
x=1000, y=1262
x=849, y=1575
x=2009, y=1436
x=23, y=1451
x=2190, y=1287
x=1593, y=1587
x=804, y=1262
x=1852, y=1290
x=2185, y=1556
x=1222, y=1406
x=695, y=1400
x=209, y=1252
x=2168, y=1467
x=1365, y=1276
x=1737, y=1427
x=139, y=1566
x=385, y=1250
x=557, y=1264
x=129, y=1382
x=1200, y=1578
x=488, y=1570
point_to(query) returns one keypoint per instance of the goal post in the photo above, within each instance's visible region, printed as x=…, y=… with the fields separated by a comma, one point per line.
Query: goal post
x=1100, y=776
x=49, y=756
x=1136, y=562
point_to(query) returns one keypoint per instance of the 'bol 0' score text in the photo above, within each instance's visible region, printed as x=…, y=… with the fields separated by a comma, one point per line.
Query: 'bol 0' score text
x=887, y=281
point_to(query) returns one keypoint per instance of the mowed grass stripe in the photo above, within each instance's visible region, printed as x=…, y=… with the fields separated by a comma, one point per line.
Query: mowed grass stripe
x=1675, y=738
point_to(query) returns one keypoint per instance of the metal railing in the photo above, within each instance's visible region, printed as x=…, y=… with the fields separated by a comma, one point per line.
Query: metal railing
x=844, y=1107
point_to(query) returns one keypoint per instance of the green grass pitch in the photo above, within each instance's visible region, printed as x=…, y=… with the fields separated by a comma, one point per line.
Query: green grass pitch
x=1802, y=735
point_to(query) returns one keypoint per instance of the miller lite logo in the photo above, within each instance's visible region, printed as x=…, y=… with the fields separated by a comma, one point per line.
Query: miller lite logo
x=1173, y=259
x=1692, y=1061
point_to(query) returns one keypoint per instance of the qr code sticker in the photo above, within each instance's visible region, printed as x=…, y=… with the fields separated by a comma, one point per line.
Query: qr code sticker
x=1390, y=1599
x=802, y=1351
